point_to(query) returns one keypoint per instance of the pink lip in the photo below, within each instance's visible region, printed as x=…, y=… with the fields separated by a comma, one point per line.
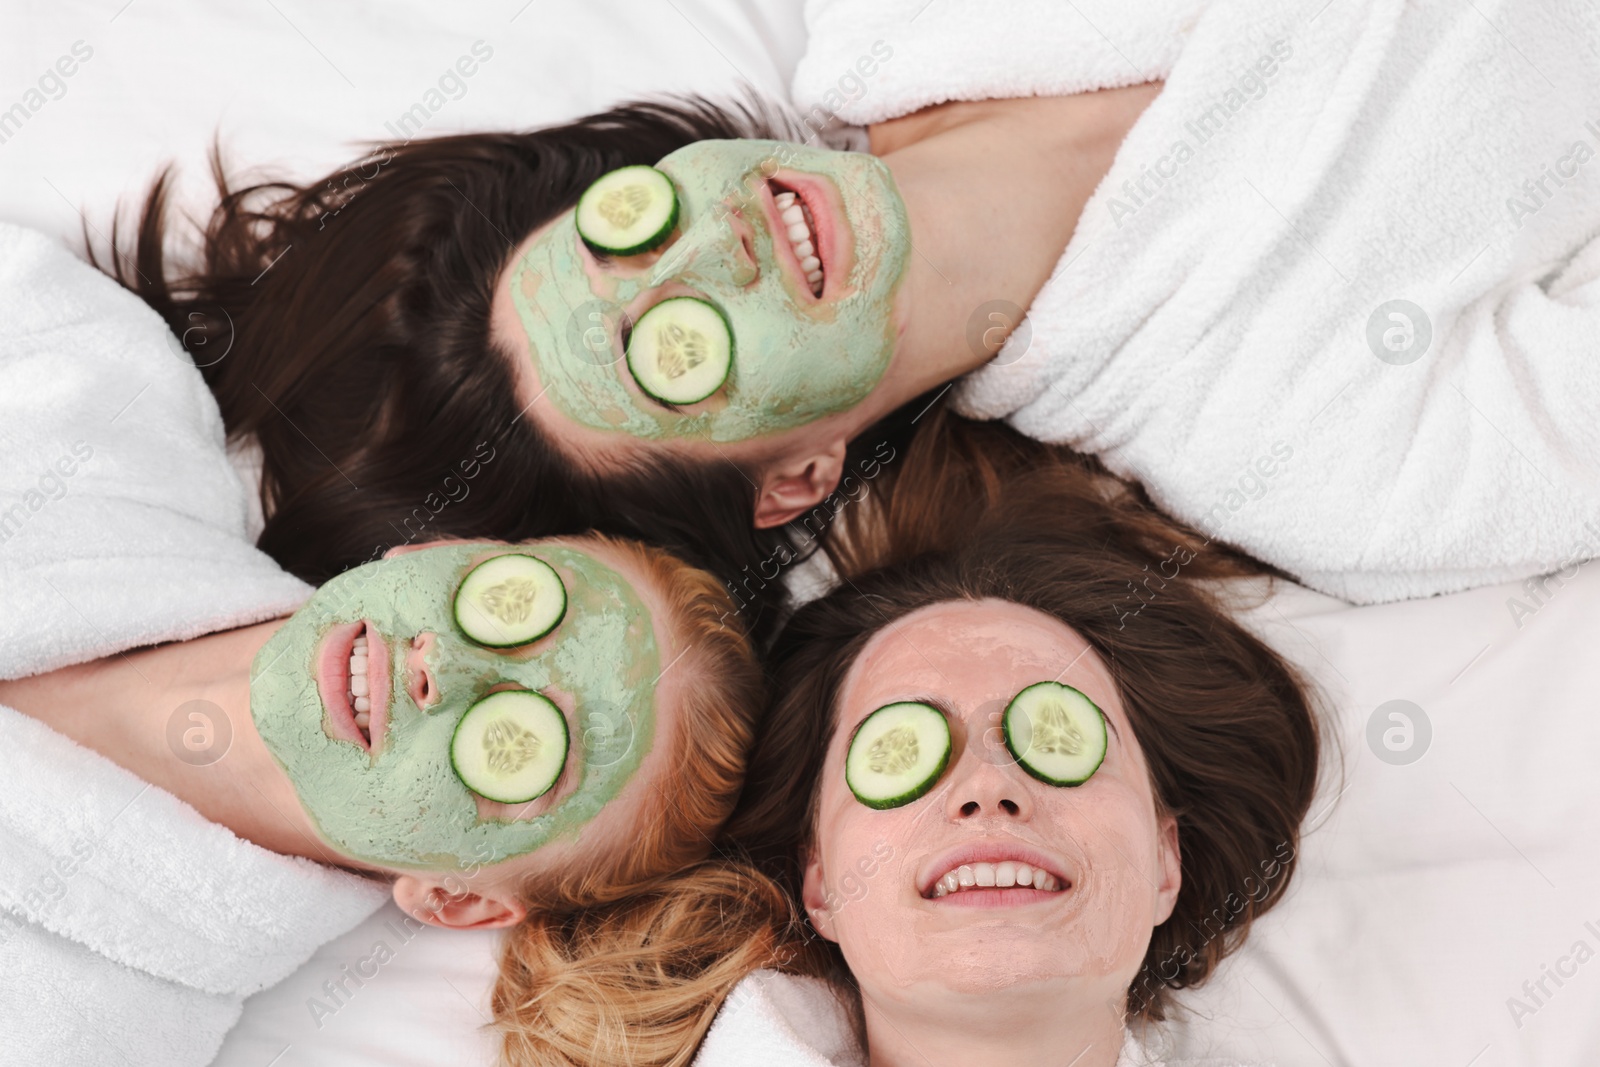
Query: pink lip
x=935, y=867
x=827, y=217
x=333, y=671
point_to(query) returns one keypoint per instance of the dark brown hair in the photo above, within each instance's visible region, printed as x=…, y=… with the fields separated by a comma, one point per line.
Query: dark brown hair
x=344, y=326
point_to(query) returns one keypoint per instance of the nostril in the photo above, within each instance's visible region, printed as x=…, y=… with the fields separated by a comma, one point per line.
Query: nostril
x=969, y=808
x=1009, y=807
x=418, y=678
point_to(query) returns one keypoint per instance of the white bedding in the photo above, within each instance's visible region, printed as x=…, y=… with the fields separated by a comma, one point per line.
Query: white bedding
x=1423, y=908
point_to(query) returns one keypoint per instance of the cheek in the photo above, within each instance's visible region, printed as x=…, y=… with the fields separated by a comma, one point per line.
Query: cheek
x=1117, y=890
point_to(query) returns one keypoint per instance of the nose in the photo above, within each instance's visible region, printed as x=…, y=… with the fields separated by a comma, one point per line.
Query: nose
x=982, y=788
x=420, y=683
x=717, y=251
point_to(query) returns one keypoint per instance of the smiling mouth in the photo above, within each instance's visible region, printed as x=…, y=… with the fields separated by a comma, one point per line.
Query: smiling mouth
x=1007, y=874
x=798, y=228
x=995, y=874
x=353, y=684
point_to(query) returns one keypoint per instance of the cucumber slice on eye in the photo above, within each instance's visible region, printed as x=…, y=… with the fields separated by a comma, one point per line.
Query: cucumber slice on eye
x=897, y=754
x=681, y=350
x=628, y=211
x=510, y=600
x=510, y=746
x=1056, y=733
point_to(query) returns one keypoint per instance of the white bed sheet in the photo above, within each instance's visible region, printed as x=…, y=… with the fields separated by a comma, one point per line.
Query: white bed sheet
x=1431, y=892
x=297, y=86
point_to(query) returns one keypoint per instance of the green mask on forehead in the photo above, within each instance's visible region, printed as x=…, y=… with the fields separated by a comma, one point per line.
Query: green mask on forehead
x=403, y=805
x=795, y=360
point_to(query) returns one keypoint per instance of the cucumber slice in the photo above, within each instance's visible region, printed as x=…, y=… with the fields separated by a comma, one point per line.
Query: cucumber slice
x=897, y=754
x=1056, y=733
x=627, y=211
x=510, y=746
x=510, y=600
x=681, y=350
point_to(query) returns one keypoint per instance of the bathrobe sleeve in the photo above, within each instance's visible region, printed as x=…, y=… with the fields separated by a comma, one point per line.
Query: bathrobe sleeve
x=122, y=522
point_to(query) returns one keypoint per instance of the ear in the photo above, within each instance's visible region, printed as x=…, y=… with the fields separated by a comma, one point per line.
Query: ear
x=428, y=900
x=401, y=550
x=1171, y=861
x=815, y=898
x=789, y=489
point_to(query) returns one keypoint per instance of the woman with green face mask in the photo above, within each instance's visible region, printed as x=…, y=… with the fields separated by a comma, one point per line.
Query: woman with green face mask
x=441, y=301
x=701, y=350
x=502, y=734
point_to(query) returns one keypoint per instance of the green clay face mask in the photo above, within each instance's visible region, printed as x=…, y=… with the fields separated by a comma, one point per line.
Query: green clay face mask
x=401, y=804
x=797, y=357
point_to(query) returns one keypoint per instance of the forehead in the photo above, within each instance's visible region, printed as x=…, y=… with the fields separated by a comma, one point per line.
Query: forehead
x=968, y=652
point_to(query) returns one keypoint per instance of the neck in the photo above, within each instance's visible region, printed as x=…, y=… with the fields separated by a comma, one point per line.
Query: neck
x=1049, y=1026
x=178, y=716
x=994, y=190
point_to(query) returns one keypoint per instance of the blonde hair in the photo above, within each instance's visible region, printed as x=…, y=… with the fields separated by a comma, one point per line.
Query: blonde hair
x=651, y=917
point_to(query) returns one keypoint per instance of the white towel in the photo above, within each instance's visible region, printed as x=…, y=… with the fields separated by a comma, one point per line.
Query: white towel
x=122, y=522
x=783, y=1020
x=131, y=927
x=1220, y=325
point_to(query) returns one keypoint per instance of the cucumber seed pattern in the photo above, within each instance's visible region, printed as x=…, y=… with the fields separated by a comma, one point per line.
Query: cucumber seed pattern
x=895, y=752
x=623, y=206
x=681, y=350
x=511, y=601
x=508, y=747
x=1054, y=732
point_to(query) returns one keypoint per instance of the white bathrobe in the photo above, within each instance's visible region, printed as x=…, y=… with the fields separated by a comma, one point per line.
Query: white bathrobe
x=1338, y=299
x=782, y=1020
x=131, y=928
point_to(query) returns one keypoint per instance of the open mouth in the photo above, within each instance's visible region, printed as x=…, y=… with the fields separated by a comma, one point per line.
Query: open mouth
x=995, y=876
x=353, y=683
x=797, y=230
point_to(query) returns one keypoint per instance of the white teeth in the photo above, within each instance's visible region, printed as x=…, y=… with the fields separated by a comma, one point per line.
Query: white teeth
x=358, y=685
x=363, y=703
x=360, y=644
x=363, y=720
x=799, y=228
x=1007, y=874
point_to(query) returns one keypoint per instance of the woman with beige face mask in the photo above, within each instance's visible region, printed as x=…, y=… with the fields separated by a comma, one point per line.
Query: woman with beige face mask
x=998, y=822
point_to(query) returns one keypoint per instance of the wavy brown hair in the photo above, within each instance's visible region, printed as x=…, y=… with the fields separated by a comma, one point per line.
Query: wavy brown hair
x=1227, y=726
x=343, y=325
x=970, y=511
